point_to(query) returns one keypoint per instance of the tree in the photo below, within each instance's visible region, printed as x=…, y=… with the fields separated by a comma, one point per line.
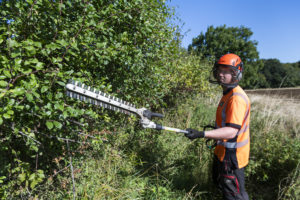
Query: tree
x=221, y=40
x=279, y=74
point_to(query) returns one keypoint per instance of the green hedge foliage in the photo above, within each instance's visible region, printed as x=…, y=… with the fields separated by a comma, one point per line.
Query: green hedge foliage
x=128, y=48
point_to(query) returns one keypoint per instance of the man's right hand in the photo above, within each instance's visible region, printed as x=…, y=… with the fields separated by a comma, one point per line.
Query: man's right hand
x=193, y=134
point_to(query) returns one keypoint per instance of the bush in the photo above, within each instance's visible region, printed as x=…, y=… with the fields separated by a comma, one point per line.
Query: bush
x=113, y=46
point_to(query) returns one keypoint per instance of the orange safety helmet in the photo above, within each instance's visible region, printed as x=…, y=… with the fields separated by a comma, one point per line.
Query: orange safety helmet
x=234, y=62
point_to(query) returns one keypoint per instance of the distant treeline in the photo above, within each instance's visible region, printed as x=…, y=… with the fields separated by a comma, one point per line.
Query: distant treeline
x=279, y=74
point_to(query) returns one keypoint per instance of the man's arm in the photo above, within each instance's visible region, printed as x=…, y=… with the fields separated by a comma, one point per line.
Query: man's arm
x=222, y=133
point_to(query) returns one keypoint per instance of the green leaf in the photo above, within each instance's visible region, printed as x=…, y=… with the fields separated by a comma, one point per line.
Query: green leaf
x=61, y=83
x=7, y=73
x=22, y=177
x=37, y=95
x=57, y=124
x=32, y=177
x=30, y=48
x=44, y=89
x=39, y=66
x=6, y=116
x=1, y=120
x=49, y=125
x=65, y=114
x=59, y=106
x=10, y=112
x=2, y=178
x=3, y=83
x=29, y=97
x=62, y=42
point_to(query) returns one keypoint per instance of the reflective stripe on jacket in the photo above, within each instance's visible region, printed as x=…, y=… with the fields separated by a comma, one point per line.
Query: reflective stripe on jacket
x=234, y=111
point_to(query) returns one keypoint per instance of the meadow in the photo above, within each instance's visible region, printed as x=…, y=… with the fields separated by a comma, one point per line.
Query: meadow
x=133, y=163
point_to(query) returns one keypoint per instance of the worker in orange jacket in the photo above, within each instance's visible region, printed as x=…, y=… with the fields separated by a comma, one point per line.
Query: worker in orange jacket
x=231, y=129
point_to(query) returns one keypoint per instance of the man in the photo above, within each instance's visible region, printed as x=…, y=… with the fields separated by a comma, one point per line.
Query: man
x=231, y=129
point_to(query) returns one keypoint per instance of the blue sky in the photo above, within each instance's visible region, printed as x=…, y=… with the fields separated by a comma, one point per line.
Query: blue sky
x=275, y=23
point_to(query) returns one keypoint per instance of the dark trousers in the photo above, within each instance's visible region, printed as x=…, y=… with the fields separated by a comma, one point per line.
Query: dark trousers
x=230, y=181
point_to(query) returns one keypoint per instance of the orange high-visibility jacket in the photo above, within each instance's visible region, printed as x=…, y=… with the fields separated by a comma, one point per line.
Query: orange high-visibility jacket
x=234, y=111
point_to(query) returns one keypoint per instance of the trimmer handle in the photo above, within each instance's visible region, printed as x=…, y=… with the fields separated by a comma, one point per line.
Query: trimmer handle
x=148, y=114
x=209, y=140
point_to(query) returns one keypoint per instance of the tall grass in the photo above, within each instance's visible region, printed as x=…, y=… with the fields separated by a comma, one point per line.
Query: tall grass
x=148, y=164
x=275, y=149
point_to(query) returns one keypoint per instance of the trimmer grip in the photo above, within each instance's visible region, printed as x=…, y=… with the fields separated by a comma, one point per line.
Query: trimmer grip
x=148, y=114
x=157, y=115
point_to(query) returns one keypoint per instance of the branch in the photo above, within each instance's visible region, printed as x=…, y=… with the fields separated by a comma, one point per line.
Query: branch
x=29, y=137
x=71, y=166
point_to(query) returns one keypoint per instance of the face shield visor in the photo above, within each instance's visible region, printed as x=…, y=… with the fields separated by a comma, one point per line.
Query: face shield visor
x=218, y=73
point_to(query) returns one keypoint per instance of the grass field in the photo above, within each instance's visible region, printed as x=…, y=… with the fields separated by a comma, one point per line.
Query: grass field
x=291, y=94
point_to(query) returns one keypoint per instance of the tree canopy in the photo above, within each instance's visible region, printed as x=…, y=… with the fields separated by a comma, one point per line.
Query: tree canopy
x=217, y=41
x=279, y=74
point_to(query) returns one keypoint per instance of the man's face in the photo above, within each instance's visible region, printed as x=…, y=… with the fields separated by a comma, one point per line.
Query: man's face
x=224, y=75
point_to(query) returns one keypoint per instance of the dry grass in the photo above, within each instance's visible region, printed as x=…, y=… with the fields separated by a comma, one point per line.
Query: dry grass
x=276, y=110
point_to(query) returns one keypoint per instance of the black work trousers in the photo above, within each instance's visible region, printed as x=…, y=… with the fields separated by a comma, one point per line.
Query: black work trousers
x=231, y=181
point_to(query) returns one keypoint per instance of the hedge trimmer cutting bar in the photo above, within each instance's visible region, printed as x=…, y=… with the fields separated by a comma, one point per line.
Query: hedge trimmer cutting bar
x=85, y=93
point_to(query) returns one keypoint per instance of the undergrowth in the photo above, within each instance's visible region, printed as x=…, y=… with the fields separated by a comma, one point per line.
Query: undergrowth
x=132, y=163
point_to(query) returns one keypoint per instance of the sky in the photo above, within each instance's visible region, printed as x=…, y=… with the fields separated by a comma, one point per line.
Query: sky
x=275, y=23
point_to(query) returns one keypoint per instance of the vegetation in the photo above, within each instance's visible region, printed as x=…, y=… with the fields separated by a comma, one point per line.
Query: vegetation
x=279, y=74
x=53, y=147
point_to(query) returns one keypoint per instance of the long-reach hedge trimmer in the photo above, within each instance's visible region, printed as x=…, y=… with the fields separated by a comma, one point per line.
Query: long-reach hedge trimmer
x=86, y=93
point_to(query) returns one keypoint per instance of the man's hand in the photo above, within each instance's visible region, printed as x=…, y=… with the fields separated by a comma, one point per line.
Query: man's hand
x=193, y=134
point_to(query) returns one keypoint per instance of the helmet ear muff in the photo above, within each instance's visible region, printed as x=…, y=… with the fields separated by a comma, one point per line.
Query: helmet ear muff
x=239, y=76
x=240, y=69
